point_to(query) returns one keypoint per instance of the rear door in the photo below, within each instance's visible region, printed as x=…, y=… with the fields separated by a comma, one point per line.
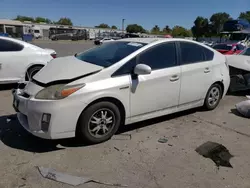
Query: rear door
x=196, y=72
x=12, y=60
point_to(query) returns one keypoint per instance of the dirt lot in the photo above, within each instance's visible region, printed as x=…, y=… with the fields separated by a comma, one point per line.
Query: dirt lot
x=139, y=162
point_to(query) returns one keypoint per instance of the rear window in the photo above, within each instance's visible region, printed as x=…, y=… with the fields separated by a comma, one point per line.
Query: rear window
x=109, y=53
x=222, y=47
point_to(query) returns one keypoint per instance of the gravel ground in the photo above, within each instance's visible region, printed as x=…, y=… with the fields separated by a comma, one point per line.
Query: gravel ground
x=141, y=161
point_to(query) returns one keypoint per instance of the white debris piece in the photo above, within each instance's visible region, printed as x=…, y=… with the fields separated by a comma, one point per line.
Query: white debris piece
x=52, y=174
x=244, y=107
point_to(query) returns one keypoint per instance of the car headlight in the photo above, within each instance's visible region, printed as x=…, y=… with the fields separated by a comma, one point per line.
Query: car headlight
x=57, y=92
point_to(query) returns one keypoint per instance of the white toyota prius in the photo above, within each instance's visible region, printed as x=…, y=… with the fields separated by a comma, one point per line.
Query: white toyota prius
x=121, y=82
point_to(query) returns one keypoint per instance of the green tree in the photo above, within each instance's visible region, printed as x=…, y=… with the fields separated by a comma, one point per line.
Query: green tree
x=245, y=15
x=103, y=25
x=166, y=30
x=41, y=19
x=217, y=21
x=135, y=28
x=179, y=31
x=155, y=30
x=64, y=21
x=24, y=18
x=113, y=27
x=200, y=27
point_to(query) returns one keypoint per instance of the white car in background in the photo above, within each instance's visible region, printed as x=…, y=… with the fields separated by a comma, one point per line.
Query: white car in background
x=20, y=60
x=104, y=40
x=120, y=82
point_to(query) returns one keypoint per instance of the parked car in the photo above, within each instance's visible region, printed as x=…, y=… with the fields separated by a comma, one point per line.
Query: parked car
x=20, y=60
x=99, y=41
x=239, y=66
x=228, y=49
x=120, y=82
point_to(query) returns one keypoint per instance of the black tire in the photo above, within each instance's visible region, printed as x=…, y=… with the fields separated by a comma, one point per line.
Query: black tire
x=210, y=104
x=83, y=131
x=32, y=71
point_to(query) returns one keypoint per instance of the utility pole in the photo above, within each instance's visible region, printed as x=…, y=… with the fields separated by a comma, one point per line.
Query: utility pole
x=123, y=25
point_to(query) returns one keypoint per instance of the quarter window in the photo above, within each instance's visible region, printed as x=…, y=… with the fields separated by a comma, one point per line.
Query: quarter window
x=194, y=53
x=127, y=68
x=9, y=46
x=160, y=56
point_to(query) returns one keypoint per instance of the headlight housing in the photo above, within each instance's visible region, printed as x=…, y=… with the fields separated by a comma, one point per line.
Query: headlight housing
x=56, y=92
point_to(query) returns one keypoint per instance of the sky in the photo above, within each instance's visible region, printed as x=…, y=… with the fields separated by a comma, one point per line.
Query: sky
x=144, y=12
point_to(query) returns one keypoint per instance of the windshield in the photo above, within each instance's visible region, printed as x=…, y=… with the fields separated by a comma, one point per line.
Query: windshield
x=237, y=36
x=109, y=53
x=245, y=52
x=222, y=47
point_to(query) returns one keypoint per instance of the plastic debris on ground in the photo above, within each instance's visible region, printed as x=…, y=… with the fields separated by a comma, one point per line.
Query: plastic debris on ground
x=163, y=140
x=218, y=153
x=52, y=174
x=122, y=137
x=244, y=107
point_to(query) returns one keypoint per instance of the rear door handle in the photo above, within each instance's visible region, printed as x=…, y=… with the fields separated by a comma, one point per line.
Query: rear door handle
x=207, y=70
x=174, y=78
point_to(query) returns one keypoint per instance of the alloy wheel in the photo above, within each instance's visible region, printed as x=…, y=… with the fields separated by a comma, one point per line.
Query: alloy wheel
x=101, y=123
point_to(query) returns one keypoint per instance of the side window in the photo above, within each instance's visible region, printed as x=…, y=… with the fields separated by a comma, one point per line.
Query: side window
x=209, y=55
x=160, y=56
x=194, y=53
x=126, y=68
x=9, y=46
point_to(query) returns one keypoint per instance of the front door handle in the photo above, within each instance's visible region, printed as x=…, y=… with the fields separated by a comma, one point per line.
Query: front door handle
x=207, y=70
x=174, y=78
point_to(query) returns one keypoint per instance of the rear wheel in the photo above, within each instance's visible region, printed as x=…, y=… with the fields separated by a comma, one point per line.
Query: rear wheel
x=213, y=97
x=99, y=122
x=32, y=71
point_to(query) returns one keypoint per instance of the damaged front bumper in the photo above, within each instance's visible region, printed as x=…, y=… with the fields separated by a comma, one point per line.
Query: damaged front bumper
x=240, y=79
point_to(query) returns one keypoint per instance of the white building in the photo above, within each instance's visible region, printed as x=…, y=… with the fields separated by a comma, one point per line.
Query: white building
x=42, y=29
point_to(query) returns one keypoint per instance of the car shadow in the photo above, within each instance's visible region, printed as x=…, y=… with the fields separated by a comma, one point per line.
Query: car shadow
x=239, y=93
x=146, y=123
x=13, y=135
x=4, y=87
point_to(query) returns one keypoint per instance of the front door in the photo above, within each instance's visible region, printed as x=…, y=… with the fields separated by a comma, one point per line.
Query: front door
x=196, y=69
x=160, y=89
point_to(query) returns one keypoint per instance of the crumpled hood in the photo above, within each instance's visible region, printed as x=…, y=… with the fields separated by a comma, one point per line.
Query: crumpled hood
x=65, y=68
x=239, y=61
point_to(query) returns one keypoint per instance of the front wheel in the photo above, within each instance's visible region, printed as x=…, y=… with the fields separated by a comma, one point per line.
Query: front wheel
x=98, y=123
x=213, y=97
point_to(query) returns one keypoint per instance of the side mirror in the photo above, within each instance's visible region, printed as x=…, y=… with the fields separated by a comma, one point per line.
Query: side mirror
x=142, y=69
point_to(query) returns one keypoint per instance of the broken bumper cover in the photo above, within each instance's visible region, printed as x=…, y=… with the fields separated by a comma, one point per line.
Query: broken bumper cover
x=63, y=115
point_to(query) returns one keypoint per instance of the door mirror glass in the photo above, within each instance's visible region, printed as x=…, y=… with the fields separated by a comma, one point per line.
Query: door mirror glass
x=142, y=69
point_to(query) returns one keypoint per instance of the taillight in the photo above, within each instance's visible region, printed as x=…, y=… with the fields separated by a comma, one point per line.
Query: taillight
x=53, y=55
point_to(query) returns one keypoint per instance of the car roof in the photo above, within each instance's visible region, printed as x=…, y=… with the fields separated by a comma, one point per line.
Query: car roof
x=20, y=42
x=142, y=40
x=151, y=40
